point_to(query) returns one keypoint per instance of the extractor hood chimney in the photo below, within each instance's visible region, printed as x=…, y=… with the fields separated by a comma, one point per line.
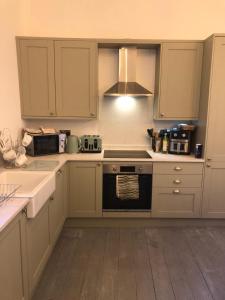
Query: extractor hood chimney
x=127, y=85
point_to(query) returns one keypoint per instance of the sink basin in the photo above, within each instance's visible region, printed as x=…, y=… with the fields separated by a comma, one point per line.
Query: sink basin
x=37, y=186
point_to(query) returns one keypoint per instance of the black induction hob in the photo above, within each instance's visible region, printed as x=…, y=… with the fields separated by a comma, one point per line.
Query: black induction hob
x=126, y=154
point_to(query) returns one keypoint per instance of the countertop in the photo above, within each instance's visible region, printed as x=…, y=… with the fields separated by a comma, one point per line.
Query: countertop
x=12, y=207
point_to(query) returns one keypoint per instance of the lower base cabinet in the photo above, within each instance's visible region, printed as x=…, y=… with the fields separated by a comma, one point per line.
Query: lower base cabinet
x=12, y=271
x=85, y=189
x=38, y=246
x=43, y=231
x=214, y=190
x=176, y=203
x=57, y=205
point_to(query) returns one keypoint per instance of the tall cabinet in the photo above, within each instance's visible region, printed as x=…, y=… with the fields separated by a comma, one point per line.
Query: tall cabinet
x=212, y=126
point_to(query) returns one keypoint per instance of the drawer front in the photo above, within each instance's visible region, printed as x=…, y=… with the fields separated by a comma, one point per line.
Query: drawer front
x=177, y=181
x=177, y=168
x=176, y=203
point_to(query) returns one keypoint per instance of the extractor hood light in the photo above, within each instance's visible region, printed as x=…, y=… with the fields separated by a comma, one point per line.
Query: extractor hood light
x=125, y=103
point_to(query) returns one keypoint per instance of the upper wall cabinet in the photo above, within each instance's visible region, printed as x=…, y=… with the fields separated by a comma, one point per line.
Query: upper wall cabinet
x=58, y=78
x=37, y=79
x=178, y=78
x=76, y=78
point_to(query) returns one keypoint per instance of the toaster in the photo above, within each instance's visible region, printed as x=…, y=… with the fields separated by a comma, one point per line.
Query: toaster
x=90, y=143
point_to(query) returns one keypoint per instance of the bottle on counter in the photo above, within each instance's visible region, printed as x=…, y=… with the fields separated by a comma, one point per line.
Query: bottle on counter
x=165, y=144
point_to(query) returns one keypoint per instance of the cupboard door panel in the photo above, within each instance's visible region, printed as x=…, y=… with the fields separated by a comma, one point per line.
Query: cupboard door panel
x=179, y=80
x=85, y=190
x=11, y=276
x=176, y=202
x=216, y=128
x=57, y=211
x=38, y=245
x=76, y=78
x=37, y=79
x=214, y=191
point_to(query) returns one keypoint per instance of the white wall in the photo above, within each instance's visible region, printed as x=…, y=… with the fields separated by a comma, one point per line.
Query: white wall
x=126, y=18
x=10, y=24
x=108, y=19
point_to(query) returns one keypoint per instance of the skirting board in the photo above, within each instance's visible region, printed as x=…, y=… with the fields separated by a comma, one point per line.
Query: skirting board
x=135, y=222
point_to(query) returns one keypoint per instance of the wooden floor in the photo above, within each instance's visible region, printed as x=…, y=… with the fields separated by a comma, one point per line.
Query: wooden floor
x=131, y=264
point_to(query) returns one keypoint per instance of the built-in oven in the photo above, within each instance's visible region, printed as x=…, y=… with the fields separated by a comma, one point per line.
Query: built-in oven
x=127, y=186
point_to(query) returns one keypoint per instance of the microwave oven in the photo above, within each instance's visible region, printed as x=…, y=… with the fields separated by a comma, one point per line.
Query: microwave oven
x=46, y=144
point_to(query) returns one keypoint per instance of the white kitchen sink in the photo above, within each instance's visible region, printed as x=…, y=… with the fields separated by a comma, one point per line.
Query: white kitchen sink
x=37, y=186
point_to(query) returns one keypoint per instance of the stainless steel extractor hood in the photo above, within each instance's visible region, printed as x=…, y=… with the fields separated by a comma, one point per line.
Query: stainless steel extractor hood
x=127, y=84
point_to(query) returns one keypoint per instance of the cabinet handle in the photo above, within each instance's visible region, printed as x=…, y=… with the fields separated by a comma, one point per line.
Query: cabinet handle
x=52, y=198
x=92, y=114
x=177, y=181
x=162, y=114
x=209, y=159
x=59, y=172
x=51, y=113
x=208, y=165
x=24, y=212
x=98, y=165
x=177, y=168
x=176, y=191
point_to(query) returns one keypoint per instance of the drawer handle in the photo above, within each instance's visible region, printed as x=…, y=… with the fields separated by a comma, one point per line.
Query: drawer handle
x=176, y=191
x=177, y=168
x=177, y=181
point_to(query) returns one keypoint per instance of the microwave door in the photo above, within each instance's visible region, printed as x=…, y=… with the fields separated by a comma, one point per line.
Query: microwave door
x=46, y=145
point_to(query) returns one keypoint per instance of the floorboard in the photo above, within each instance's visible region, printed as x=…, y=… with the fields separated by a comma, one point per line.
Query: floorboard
x=136, y=264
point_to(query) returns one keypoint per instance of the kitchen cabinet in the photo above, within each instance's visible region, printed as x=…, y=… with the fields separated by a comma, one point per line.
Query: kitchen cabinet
x=85, y=189
x=58, y=78
x=38, y=242
x=76, y=78
x=57, y=205
x=178, y=78
x=177, y=190
x=12, y=271
x=212, y=126
x=36, y=77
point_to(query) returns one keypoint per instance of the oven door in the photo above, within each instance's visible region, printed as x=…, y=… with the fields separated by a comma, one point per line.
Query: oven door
x=127, y=192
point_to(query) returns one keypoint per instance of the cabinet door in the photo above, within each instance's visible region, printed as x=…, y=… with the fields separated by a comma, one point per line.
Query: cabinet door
x=214, y=190
x=85, y=189
x=179, y=81
x=38, y=245
x=11, y=276
x=57, y=207
x=215, y=148
x=76, y=78
x=36, y=74
x=176, y=203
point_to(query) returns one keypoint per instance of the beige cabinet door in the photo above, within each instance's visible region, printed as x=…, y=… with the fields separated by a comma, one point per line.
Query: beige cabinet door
x=11, y=276
x=38, y=246
x=76, y=78
x=176, y=202
x=214, y=182
x=57, y=210
x=215, y=148
x=179, y=74
x=214, y=190
x=37, y=79
x=85, y=189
